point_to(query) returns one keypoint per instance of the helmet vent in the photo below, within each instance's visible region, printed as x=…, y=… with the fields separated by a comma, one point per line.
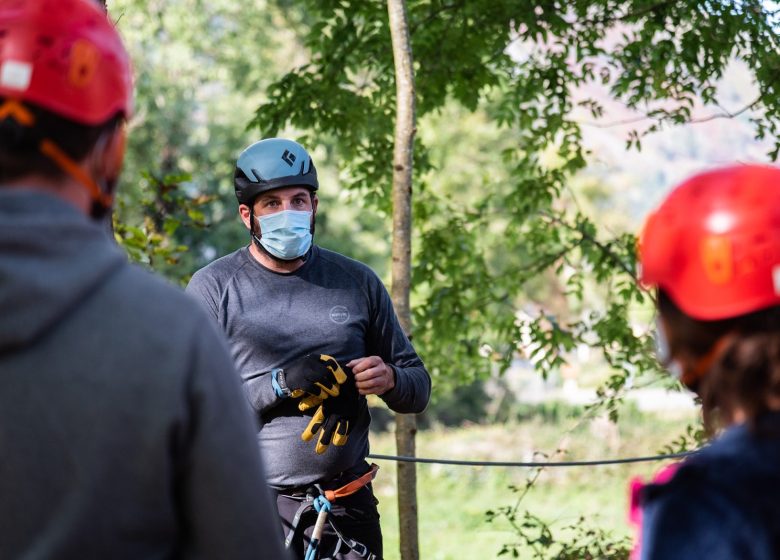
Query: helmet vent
x=44, y=45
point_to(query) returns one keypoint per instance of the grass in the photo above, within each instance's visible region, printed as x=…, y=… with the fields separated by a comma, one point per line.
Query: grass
x=453, y=500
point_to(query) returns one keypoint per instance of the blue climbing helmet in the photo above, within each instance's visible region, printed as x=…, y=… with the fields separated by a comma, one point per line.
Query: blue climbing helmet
x=270, y=164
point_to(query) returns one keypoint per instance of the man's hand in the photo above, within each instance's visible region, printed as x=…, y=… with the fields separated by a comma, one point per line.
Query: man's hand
x=312, y=379
x=372, y=375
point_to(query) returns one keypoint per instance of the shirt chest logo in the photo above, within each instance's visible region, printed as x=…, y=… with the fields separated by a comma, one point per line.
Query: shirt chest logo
x=339, y=314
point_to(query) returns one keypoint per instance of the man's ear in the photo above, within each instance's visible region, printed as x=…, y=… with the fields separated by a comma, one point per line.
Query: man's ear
x=314, y=202
x=245, y=212
x=112, y=153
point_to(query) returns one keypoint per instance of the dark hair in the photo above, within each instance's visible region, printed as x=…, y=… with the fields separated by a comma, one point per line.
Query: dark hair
x=19, y=145
x=746, y=374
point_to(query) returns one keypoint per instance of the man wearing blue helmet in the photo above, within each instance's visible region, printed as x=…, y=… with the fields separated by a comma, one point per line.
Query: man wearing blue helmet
x=312, y=333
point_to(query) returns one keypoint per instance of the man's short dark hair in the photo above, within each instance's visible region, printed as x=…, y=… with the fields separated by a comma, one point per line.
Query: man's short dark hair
x=20, y=154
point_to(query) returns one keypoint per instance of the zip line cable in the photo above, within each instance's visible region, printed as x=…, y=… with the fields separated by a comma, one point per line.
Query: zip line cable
x=532, y=464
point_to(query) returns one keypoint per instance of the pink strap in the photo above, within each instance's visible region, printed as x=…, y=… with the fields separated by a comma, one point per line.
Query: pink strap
x=635, y=511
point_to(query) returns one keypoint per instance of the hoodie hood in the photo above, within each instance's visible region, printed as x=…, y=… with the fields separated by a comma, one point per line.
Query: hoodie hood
x=52, y=257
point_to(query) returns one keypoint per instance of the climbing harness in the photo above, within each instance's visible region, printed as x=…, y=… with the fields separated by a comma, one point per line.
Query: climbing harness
x=321, y=501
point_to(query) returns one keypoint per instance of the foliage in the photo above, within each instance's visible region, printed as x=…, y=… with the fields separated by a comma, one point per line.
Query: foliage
x=463, y=404
x=524, y=67
x=201, y=67
x=453, y=499
x=196, y=83
x=536, y=536
x=506, y=260
x=555, y=412
x=165, y=209
x=482, y=247
x=693, y=438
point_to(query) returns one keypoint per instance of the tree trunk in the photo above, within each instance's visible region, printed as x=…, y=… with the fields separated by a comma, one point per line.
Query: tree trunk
x=406, y=424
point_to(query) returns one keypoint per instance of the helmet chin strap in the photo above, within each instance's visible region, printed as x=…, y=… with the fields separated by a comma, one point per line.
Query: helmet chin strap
x=102, y=198
x=692, y=374
x=98, y=211
x=689, y=372
x=256, y=239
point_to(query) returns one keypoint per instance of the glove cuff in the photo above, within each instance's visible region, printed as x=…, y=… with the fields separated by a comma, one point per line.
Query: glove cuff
x=278, y=383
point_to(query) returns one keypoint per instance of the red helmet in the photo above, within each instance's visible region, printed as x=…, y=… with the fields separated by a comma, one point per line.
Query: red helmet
x=714, y=244
x=64, y=56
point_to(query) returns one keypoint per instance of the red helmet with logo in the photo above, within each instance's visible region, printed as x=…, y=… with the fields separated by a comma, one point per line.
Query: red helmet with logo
x=714, y=243
x=66, y=57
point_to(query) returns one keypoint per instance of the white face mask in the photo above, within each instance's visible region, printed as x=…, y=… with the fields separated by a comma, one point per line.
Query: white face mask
x=286, y=234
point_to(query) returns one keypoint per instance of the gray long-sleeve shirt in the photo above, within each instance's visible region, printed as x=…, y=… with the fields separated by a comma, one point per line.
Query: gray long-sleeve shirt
x=331, y=305
x=124, y=432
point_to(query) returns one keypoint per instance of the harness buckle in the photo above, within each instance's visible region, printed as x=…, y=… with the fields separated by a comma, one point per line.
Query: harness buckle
x=358, y=548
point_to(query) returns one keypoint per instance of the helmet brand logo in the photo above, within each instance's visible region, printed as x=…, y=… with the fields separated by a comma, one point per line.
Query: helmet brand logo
x=84, y=58
x=716, y=255
x=288, y=157
x=15, y=74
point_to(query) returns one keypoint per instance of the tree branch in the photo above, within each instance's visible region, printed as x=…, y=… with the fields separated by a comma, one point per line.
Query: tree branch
x=627, y=17
x=633, y=120
x=433, y=15
x=595, y=242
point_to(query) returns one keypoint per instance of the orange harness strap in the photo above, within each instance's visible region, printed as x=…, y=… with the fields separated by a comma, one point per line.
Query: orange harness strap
x=353, y=486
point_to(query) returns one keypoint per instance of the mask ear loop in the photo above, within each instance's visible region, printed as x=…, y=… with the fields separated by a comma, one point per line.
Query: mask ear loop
x=255, y=238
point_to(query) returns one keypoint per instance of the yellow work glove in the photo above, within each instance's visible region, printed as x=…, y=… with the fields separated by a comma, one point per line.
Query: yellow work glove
x=312, y=378
x=334, y=419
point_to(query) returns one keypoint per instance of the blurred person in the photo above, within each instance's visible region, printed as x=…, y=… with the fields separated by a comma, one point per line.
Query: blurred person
x=123, y=430
x=312, y=333
x=712, y=250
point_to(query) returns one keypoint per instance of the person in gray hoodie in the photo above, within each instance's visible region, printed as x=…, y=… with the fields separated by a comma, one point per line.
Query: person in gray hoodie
x=124, y=432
